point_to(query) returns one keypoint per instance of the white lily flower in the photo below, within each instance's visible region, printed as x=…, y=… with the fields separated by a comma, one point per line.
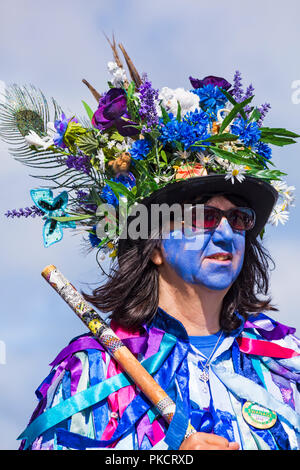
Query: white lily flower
x=188, y=101
x=33, y=139
x=118, y=74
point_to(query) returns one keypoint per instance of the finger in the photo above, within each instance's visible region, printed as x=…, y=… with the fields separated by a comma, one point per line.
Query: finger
x=234, y=446
x=217, y=440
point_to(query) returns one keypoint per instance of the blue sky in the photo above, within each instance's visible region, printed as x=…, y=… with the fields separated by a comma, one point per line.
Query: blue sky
x=53, y=45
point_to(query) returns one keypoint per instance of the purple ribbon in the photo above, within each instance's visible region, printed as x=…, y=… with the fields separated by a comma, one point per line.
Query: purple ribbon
x=269, y=329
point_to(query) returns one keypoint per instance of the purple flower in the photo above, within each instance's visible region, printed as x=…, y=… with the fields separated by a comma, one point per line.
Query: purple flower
x=27, y=212
x=237, y=91
x=210, y=80
x=79, y=163
x=263, y=111
x=147, y=111
x=112, y=108
x=61, y=127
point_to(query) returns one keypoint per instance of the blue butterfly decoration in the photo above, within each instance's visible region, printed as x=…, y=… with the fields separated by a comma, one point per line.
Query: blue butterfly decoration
x=52, y=207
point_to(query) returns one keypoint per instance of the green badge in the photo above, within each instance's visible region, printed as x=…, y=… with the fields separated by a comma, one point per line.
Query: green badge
x=258, y=416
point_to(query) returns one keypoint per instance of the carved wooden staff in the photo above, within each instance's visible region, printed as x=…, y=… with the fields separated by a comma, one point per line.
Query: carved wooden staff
x=107, y=337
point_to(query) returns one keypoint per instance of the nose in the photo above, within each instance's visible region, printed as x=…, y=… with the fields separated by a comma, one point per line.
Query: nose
x=223, y=232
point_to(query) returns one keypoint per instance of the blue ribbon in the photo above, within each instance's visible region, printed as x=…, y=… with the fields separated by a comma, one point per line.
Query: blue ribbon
x=92, y=395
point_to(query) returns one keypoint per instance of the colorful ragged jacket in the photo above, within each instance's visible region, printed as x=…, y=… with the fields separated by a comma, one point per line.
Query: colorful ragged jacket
x=86, y=402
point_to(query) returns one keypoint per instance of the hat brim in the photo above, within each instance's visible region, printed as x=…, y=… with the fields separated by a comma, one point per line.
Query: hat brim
x=260, y=195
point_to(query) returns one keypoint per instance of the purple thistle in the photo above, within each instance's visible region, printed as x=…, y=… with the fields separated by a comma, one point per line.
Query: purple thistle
x=147, y=111
x=32, y=211
x=263, y=109
x=79, y=163
x=237, y=91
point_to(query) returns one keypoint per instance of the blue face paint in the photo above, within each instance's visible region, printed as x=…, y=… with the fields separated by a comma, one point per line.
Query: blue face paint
x=197, y=266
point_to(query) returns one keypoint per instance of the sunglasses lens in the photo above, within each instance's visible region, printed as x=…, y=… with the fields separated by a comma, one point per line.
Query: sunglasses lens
x=242, y=218
x=207, y=219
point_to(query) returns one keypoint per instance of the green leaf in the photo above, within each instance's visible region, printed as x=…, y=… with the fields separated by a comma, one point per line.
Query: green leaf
x=71, y=218
x=164, y=156
x=235, y=110
x=119, y=189
x=178, y=112
x=116, y=136
x=89, y=111
x=130, y=90
x=255, y=115
x=234, y=157
x=261, y=235
x=220, y=138
x=88, y=143
x=232, y=101
x=279, y=141
x=277, y=131
x=165, y=115
x=267, y=174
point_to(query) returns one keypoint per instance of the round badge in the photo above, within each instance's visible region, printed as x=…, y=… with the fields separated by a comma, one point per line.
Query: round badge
x=258, y=416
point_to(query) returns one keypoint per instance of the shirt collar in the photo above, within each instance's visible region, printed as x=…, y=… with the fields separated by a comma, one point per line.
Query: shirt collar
x=169, y=324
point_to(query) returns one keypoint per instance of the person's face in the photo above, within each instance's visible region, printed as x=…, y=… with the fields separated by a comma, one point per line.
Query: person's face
x=216, y=261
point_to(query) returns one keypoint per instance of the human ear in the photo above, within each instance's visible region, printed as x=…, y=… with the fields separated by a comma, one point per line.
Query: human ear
x=157, y=257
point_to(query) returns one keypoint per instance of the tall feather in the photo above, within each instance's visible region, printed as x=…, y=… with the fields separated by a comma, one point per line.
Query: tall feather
x=94, y=92
x=133, y=71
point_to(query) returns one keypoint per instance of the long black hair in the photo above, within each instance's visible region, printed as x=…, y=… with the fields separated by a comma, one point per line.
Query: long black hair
x=130, y=294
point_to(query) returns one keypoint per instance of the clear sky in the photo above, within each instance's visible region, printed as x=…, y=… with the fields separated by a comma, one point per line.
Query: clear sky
x=54, y=45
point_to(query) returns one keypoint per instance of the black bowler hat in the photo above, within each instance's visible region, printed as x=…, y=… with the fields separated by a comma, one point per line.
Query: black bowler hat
x=259, y=195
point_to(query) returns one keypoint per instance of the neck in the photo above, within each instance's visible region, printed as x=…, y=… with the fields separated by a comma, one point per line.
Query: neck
x=195, y=306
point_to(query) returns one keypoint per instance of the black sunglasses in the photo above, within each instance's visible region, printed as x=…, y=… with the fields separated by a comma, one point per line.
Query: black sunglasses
x=239, y=218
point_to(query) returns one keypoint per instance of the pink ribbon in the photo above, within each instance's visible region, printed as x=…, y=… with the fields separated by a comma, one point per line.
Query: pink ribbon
x=265, y=348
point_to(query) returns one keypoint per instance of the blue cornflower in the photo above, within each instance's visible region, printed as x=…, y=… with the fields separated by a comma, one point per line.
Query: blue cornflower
x=188, y=131
x=140, y=149
x=263, y=149
x=107, y=193
x=211, y=98
x=94, y=240
x=197, y=118
x=109, y=196
x=248, y=133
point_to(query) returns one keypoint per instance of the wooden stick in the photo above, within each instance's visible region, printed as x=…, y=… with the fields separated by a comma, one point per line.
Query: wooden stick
x=107, y=337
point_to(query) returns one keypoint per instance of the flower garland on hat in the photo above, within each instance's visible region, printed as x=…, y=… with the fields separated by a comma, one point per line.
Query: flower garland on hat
x=135, y=141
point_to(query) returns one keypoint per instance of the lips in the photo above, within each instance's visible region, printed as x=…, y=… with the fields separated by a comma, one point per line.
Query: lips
x=220, y=256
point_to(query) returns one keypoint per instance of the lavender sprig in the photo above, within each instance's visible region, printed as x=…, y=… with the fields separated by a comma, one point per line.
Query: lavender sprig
x=263, y=109
x=32, y=211
x=249, y=92
x=147, y=111
x=237, y=91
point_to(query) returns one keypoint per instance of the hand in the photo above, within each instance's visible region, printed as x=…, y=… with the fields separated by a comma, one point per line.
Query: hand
x=205, y=441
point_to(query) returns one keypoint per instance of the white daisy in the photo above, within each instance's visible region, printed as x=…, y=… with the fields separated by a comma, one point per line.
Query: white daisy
x=279, y=214
x=235, y=171
x=205, y=159
x=279, y=185
x=185, y=154
x=288, y=194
